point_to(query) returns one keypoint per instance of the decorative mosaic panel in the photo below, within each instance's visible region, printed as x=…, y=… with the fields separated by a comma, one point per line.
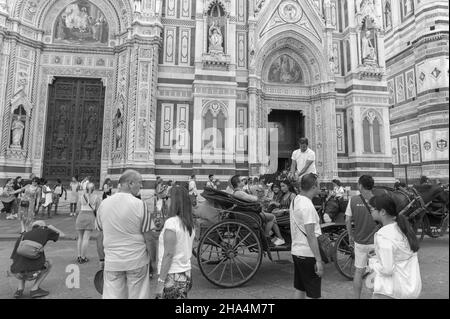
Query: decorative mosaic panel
x=185, y=10
x=404, y=150
x=414, y=147
x=241, y=50
x=169, y=45
x=395, y=151
x=182, y=126
x=400, y=88
x=410, y=85
x=340, y=135
x=241, y=125
x=391, y=90
x=184, y=47
x=166, y=126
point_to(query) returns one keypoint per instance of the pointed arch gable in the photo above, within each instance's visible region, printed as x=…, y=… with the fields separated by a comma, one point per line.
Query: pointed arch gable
x=307, y=20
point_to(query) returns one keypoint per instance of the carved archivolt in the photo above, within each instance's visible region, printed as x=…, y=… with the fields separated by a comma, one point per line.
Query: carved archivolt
x=42, y=13
x=302, y=46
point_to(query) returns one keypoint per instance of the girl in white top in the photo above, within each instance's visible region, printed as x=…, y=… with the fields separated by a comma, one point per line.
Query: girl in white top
x=396, y=266
x=175, y=247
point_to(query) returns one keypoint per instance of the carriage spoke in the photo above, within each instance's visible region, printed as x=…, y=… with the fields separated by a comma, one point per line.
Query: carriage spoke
x=231, y=270
x=239, y=269
x=217, y=266
x=248, y=266
x=349, y=259
x=214, y=242
x=243, y=246
x=242, y=240
x=223, y=270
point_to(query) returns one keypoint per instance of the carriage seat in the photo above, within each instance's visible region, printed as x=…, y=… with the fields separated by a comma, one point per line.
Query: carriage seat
x=223, y=200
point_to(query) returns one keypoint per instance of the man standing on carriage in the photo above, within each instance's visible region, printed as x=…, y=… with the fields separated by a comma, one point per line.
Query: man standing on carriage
x=303, y=160
x=362, y=232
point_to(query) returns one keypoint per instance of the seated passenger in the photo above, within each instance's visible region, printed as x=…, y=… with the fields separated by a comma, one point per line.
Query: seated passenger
x=338, y=190
x=284, y=200
x=269, y=219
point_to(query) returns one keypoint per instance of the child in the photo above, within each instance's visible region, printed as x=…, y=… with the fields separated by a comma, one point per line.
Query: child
x=58, y=191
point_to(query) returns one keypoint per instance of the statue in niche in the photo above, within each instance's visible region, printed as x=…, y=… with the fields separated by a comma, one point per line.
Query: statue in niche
x=215, y=39
x=17, y=130
x=369, y=55
x=118, y=125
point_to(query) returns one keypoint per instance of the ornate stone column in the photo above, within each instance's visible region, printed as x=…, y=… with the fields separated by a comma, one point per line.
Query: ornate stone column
x=141, y=100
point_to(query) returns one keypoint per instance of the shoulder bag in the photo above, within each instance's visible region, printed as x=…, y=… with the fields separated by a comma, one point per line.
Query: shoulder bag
x=29, y=249
x=89, y=203
x=324, y=242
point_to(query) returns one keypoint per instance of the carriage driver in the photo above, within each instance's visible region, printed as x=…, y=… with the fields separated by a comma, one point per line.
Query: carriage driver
x=303, y=160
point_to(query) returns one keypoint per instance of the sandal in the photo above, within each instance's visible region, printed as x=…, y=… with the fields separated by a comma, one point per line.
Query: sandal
x=18, y=294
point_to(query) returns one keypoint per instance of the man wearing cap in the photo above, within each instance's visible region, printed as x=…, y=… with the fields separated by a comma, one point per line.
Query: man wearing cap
x=27, y=269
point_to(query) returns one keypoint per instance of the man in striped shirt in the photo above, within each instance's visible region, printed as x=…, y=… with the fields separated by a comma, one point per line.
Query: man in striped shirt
x=125, y=223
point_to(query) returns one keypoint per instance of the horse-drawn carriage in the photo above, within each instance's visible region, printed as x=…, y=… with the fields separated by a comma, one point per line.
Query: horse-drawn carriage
x=231, y=241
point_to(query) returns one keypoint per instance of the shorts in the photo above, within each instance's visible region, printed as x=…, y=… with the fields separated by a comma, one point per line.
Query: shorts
x=305, y=277
x=362, y=255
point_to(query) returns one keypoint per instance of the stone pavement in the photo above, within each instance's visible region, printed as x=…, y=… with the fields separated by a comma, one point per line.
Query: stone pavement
x=272, y=281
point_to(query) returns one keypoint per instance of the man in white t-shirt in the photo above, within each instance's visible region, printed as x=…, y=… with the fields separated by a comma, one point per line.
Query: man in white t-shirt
x=303, y=160
x=125, y=223
x=305, y=228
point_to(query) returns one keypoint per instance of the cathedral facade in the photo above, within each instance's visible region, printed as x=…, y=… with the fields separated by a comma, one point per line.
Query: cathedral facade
x=416, y=39
x=179, y=87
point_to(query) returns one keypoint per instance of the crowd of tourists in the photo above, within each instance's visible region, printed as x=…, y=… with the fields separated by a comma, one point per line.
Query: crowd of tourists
x=136, y=241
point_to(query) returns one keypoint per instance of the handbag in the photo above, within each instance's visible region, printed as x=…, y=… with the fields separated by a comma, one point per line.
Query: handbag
x=324, y=242
x=29, y=249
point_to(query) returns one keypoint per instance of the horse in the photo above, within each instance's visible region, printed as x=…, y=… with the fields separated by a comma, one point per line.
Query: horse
x=335, y=209
x=419, y=196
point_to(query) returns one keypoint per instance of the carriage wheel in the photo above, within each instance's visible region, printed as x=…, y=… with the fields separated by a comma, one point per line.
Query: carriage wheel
x=229, y=254
x=344, y=256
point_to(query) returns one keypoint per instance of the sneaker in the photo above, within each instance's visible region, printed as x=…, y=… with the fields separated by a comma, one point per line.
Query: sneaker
x=15, y=216
x=9, y=217
x=38, y=293
x=279, y=242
